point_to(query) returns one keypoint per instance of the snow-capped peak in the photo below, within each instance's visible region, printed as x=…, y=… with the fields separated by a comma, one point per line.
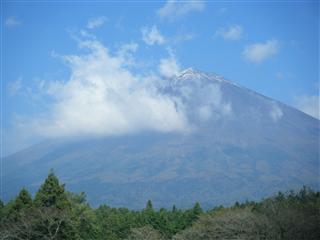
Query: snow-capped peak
x=191, y=73
x=188, y=72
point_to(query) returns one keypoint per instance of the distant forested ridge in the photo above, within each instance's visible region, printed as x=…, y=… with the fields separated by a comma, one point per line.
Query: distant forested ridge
x=54, y=213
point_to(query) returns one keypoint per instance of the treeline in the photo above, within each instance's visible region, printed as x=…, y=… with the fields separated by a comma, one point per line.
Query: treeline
x=57, y=214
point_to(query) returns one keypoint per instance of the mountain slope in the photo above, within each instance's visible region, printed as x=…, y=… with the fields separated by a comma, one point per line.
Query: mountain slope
x=239, y=145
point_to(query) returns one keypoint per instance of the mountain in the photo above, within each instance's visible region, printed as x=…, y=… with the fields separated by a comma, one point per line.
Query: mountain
x=240, y=145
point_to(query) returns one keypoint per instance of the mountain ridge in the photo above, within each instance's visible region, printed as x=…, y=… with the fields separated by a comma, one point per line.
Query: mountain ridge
x=243, y=145
x=190, y=71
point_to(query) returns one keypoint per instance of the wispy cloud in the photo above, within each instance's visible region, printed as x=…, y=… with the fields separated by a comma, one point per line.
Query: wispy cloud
x=11, y=22
x=275, y=112
x=96, y=22
x=173, y=8
x=284, y=75
x=15, y=86
x=152, y=35
x=259, y=52
x=169, y=67
x=232, y=33
x=126, y=53
x=210, y=102
x=308, y=104
x=181, y=37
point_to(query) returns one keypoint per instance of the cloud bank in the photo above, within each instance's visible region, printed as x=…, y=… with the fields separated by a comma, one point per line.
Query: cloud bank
x=103, y=97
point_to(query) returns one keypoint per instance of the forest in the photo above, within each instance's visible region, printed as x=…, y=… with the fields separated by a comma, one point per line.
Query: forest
x=54, y=214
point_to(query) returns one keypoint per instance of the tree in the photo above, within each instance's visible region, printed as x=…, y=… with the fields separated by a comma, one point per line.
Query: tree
x=22, y=201
x=295, y=216
x=145, y=233
x=149, y=206
x=1, y=204
x=174, y=208
x=17, y=207
x=52, y=194
x=82, y=216
x=229, y=224
x=36, y=224
x=197, y=210
x=52, y=214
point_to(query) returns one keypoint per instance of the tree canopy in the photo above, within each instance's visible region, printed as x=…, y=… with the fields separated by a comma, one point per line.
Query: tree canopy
x=56, y=214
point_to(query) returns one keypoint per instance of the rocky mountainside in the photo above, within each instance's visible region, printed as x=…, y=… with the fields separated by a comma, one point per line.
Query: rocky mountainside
x=240, y=145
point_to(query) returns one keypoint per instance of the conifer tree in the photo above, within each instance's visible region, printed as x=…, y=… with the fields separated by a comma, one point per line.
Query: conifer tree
x=22, y=201
x=174, y=208
x=197, y=210
x=149, y=206
x=52, y=194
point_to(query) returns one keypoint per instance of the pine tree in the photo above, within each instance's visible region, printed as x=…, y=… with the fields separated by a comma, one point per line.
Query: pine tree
x=149, y=206
x=52, y=194
x=1, y=204
x=197, y=210
x=174, y=208
x=22, y=201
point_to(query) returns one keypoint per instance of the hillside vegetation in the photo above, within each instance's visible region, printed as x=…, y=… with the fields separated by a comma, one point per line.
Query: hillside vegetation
x=55, y=213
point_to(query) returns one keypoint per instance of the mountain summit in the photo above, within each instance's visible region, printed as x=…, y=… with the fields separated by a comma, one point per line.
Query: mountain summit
x=189, y=72
x=239, y=145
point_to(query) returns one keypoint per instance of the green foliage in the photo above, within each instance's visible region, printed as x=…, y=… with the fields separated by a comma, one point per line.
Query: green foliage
x=149, y=206
x=228, y=224
x=145, y=233
x=82, y=217
x=57, y=214
x=294, y=216
x=22, y=201
x=21, y=204
x=51, y=194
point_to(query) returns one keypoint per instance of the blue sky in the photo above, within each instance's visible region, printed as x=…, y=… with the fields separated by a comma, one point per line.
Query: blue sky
x=270, y=47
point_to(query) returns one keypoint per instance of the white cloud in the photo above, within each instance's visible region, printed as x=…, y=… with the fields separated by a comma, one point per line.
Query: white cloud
x=216, y=109
x=309, y=104
x=86, y=34
x=96, y=22
x=102, y=97
x=203, y=103
x=232, y=33
x=152, y=36
x=169, y=67
x=12, y=22
x=213, y=95
x=259, y=52
x=173, y=9
x=276, y=112
x=126, y=52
